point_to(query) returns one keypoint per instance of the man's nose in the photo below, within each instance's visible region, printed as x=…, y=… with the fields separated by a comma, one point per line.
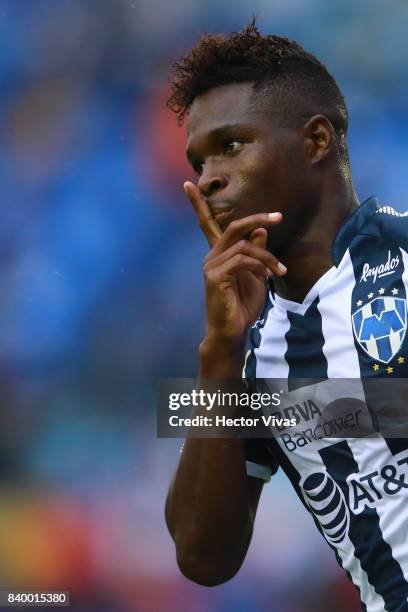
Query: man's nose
x=208, y=185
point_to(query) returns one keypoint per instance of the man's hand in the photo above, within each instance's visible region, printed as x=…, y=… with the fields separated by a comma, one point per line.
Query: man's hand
x=235, y=270
x=212, y=503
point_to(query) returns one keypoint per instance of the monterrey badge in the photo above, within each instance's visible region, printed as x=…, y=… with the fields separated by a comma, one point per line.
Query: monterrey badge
x=380, y=325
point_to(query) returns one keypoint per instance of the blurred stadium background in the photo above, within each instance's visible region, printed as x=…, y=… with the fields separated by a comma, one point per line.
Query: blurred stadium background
x=102, y=293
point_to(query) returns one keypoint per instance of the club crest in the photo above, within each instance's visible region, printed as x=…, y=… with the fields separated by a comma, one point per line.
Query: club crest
x=380, y=327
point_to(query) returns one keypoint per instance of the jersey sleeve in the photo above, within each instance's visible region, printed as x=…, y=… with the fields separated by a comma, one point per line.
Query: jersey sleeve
x=260, y=462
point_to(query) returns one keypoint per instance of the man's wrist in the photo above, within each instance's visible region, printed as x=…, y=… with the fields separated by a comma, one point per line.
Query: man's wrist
x=221, y=358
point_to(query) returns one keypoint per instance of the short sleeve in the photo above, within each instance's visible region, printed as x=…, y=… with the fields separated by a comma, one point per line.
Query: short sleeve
x=260, y=461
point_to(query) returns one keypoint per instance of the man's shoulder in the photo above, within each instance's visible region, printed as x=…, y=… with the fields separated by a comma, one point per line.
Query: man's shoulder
x=376, y=221
x=391, y=223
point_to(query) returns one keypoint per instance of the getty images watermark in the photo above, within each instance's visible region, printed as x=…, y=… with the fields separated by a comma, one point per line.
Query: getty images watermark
x=221, y=400
x=298, y=411
x=220, y=408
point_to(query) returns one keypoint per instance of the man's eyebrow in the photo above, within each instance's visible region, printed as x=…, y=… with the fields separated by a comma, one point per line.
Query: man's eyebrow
x=219, y=132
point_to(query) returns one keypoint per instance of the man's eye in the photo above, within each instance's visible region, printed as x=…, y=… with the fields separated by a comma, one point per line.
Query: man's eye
x=233, y=146
x=198, y=168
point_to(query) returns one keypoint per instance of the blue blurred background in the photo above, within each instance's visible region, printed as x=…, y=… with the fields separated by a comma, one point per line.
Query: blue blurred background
x=102, y=292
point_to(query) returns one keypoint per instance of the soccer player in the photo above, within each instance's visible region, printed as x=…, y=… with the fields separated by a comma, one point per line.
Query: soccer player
x=318, y=283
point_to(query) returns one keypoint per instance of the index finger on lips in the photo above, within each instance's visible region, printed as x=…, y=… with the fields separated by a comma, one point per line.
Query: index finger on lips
x=208, y=224
x=242, y=227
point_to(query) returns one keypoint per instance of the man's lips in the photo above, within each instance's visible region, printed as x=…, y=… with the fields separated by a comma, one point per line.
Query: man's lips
x=221, y=212
x=221, y=215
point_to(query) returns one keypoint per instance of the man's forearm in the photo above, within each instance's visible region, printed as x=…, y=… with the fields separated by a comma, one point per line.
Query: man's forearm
x=208, y=508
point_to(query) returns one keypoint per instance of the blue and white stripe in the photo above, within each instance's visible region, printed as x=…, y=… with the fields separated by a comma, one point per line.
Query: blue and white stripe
x=316, y=340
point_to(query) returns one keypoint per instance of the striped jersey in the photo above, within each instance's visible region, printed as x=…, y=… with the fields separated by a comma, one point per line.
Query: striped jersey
x=351, y=325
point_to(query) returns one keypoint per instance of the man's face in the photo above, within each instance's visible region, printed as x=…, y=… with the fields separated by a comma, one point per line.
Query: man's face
x=247, y=159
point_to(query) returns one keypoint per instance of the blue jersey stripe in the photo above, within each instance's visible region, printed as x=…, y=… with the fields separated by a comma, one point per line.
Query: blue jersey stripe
x=305, y=341
x=379, y=396
x=294, y=477
x=376, y=322
x=374, y=554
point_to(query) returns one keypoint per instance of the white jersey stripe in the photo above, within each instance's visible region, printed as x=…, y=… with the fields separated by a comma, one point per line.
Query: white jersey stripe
x=335, y=321
x=345, y=550
x=405, y=273
x=352, y=326
x=269, y=355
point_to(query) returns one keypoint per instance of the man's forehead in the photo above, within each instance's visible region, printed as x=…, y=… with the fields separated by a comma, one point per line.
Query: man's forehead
x=226, y=104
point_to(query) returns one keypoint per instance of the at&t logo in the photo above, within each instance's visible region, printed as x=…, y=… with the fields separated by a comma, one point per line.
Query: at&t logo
x=326, y=501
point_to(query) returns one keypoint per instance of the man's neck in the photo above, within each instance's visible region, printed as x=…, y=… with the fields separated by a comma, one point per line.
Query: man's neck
x=310, y=257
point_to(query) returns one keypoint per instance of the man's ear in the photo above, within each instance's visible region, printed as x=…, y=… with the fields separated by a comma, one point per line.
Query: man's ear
x=319, y=138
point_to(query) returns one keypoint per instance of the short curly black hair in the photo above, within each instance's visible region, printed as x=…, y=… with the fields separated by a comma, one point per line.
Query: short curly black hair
x=300, y=84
